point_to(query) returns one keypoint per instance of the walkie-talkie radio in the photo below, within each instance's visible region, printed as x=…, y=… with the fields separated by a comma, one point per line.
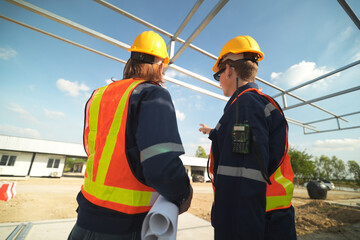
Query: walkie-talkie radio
x=241, y=138
x=240, y=135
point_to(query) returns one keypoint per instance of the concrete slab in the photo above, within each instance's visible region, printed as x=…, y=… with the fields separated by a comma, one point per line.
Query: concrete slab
x=347, y=202
x=190, y=227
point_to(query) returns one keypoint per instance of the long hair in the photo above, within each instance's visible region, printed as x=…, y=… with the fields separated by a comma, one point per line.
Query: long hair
x=147, y=71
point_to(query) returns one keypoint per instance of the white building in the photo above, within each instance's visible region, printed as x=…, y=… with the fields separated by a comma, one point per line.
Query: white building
x=195, y=166
x=44, y=158
x=34, y=157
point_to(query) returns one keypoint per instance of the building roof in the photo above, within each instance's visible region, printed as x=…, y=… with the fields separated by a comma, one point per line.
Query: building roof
x=194, y=161
x=11, y=143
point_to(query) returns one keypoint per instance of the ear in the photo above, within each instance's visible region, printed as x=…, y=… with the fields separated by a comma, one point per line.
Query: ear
x=229, y=71
x=161, y=68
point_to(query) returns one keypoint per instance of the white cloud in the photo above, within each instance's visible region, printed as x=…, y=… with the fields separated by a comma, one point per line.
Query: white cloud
x=356, y=57
x=333, y=145
x=174, y=74
x=7, y=53
x=180, y=115
x=54, y=114
x=17, y=108
x=108, y=81
x=300, y=73
x=71, y=88
x=275, y=75
x=21, y=132
x=340, y=39
x=22, y=112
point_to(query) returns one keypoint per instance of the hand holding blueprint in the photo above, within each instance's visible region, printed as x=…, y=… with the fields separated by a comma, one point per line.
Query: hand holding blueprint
x=161, y=221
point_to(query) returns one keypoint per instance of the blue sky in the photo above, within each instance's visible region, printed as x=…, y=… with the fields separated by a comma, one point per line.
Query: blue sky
x=45, y=82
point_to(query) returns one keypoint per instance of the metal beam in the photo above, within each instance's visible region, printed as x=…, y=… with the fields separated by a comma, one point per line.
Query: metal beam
x=332, y=130
x=186, y=21
x=195, y=88
x=331, y=118
x=319, y=78
x=115, y=42
x=172, y=80
x=350, y=12
x=324, y=97
x=201, y=27
x=194, y=75
x=301, y=124
x=192, y=87
x=68, y=23
x=296, y=97
x=149, y=25
x=62, y=39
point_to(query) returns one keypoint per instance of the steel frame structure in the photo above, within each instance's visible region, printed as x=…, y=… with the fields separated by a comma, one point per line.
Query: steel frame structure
x=173, y=38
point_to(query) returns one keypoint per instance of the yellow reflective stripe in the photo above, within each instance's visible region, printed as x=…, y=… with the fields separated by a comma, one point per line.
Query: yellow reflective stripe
x=160, y=148
x=112, y=136
x=93, y=124
x=280, y=201
x=118, y=195
x=273, y=202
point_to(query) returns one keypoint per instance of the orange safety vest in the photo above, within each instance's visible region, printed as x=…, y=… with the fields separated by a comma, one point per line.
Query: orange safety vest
x=279, y=193
x=109, y=181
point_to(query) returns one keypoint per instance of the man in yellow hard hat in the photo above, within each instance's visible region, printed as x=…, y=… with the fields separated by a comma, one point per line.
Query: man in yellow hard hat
x=133, y=146
x=249, y=163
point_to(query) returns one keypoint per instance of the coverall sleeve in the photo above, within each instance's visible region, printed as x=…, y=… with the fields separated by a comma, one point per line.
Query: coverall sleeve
x=160, y=146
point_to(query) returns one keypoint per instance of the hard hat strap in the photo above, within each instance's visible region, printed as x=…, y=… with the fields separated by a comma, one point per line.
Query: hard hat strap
x=254, y=59
x=147, y=58
x=239, y=56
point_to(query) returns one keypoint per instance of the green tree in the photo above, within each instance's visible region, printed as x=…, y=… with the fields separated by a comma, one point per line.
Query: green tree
x=323, y=167
x=70, y=162
x=200, y=152
x=354, y=169
x=302, y=165
x=338, y=168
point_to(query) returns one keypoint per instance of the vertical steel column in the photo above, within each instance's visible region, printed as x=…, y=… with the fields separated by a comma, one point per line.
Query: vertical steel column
x=172, y=48
x=284, y=100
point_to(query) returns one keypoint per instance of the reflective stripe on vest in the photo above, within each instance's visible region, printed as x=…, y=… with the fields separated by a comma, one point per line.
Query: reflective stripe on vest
x=279, y=193
x=283, y=176
x=109, y=181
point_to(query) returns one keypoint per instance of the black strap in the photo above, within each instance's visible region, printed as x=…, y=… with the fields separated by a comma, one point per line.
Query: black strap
x=207, y=170
x=260, y=161
x=254, y=60
x=147, y=58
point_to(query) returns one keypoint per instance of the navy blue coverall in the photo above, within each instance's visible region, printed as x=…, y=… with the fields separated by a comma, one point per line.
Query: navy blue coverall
x=151, y=123
x=240, y=189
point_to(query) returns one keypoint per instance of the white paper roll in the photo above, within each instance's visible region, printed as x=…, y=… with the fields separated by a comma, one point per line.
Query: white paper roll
x=161, y=221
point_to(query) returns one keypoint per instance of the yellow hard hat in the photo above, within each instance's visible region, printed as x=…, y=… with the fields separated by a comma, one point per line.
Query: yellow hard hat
x=239, y=44
x=150, y=43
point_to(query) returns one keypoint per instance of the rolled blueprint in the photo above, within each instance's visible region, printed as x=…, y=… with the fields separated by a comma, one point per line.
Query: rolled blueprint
x=161, y=221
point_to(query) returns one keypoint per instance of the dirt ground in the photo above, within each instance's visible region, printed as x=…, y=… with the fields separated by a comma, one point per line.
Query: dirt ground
x=55, y=198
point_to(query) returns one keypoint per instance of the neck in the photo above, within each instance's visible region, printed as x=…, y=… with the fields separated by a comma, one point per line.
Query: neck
x=239, y=83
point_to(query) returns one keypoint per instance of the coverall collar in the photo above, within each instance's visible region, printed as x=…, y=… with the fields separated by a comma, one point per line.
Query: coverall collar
x=240, y=89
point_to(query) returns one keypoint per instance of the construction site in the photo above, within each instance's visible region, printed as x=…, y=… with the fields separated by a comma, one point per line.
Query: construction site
x=44, y=206
x=47, y=207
